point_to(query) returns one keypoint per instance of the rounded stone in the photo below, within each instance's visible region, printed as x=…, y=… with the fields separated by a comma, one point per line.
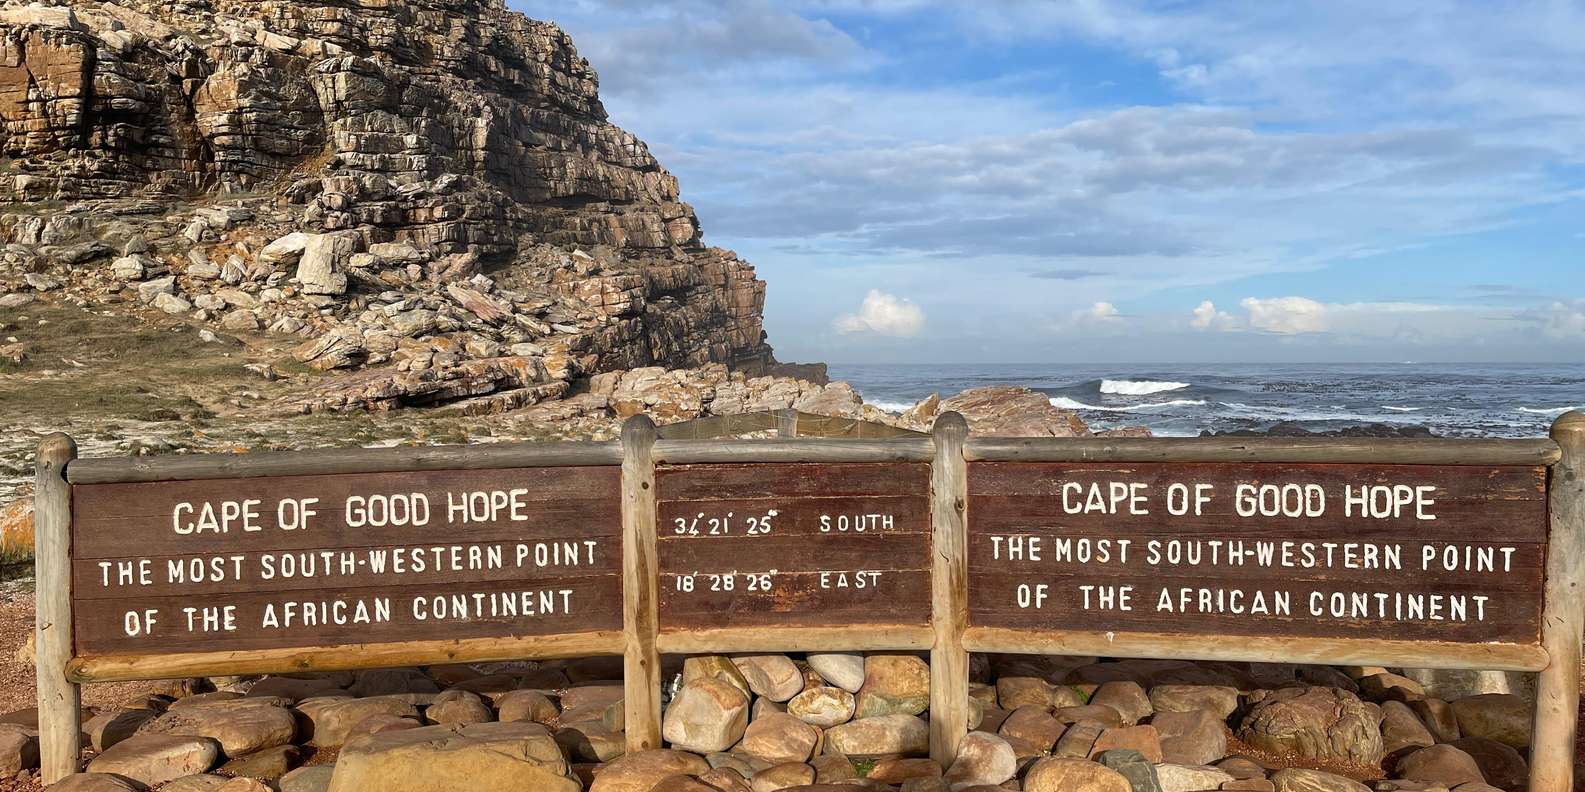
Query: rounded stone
x=706, y=715
x=822, y=706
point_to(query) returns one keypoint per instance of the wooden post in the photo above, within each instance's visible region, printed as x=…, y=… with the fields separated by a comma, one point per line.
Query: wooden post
x=1562, y=624
x=641, y=661
x=949, y=663
x=60, y=701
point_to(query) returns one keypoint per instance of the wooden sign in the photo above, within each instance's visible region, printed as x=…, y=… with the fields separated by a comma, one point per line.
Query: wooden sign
x=793, y=545
x=1406, y=552
x=1415, y=553
x=308, y=561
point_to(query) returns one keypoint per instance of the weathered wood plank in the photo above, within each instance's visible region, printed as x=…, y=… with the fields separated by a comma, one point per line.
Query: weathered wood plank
x=800, y=544
x=1552, y=750
x=59, y=700
x=840, y=638
x=385, y=566
x=640, y=658
x=1390, y=610
x=339, y=461
x=332, y=615
x=1307, y=450
x=1256, y=649
x=949, y=661
x=345, y=657
x=498, y=505
x=889, y=449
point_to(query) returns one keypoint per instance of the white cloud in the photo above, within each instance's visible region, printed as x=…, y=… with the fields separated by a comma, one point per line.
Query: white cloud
x=1206, y=317
x=1562, y=319
x=883, y=314
x=1286, y=315
x=1101, y=312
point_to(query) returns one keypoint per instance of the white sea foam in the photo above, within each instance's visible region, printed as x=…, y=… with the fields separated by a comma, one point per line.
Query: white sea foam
x=892, y=406
x=1070, y=404
x=1401, y=409
x=1548, y=410
x=1139, y=387
x=1278, y=413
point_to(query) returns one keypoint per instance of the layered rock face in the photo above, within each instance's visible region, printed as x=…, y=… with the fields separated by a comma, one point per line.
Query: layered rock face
x=416, y=146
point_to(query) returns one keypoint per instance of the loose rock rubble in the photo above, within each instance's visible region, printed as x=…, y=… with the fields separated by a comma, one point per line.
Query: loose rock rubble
x=790, y=722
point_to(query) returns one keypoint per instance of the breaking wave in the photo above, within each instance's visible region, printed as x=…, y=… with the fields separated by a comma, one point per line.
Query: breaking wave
x=1070, y=404
x=1548, y=410
x=1391, y=408
x=1139, y=387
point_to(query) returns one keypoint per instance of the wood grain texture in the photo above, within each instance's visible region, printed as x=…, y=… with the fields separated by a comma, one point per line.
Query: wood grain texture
x=573, y=502
x=843, y=638
x=892, y=449
x=59, y=699
x=1299, y=450
x=328, y=616
x=1042, y=552
x=342, y=460
x=641, y=660
x=346, y=657
x=793, y=545
x=1335, y=651
x=949, y=661
x=1558, y=688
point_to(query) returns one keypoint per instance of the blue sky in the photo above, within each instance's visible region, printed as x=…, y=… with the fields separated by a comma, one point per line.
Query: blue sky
x=1087, y=181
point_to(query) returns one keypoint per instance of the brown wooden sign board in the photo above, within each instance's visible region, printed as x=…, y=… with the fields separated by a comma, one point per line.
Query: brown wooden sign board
x=306, y=561
x=793, y=545
x=1406, y=552
x=1436, y=553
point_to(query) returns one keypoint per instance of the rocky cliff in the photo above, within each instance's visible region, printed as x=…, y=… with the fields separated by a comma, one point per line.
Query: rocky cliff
x=426, y=190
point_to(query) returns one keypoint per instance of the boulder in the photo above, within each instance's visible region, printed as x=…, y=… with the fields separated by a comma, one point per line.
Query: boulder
x=883, y=734
x=321, y=269
x=240, y=727
x=822, y=706
x=1219, y=700
x=773, y=676
x=153, y=759
x=1191, y=738
x=1126, y=697
x=1190, y=778
x=1295, y=779
x=329, y=720
x=484, y=757
x=1441, y=764
x=1503, y=717
x=640, y=772
x=779, y=738
x=458, y=708
x=1013, y=692
x=706, y=715
x=894, y=684
x=525, y=705
x=841, y=669
x=1072, y=775
x=19, y=749
x=1315, y=723
x=95, y=782
x=982, y=759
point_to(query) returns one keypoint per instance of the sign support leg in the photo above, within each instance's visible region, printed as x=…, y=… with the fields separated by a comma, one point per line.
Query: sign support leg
x=60, y=701
x=1558, y=689
x=949, y=663
x=641, y=661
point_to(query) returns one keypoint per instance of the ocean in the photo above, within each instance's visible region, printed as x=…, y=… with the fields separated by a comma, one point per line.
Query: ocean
x=1454, y=400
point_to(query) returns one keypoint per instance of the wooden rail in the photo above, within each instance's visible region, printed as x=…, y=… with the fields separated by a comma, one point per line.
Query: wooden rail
x=948, y=632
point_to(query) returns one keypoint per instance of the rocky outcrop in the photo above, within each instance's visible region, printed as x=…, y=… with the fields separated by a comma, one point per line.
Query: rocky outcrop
x=409, y=185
